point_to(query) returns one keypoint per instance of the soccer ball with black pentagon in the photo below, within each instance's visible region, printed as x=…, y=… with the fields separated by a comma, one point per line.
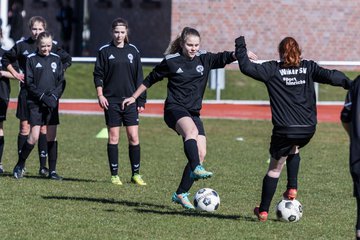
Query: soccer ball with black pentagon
x=207, y=199
x=289, y=210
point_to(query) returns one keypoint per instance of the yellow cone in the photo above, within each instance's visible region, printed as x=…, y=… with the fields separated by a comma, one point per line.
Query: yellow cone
x=103, y=133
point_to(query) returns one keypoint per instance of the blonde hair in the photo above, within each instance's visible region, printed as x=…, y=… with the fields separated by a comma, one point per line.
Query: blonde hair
x=42, y=36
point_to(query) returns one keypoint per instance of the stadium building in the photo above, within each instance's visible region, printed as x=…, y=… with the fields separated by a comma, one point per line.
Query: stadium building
x=326, y=30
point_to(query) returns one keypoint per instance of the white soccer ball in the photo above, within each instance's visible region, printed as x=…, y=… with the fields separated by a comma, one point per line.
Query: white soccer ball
x=289, y=210
x=207, y=199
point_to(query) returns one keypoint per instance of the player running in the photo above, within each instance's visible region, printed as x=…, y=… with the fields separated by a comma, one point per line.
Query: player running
x=290, y=84
x=187, y=69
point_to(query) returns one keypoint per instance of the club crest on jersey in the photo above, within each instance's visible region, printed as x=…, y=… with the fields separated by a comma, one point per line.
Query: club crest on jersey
x=200, y=69
x=53, y=66
x=130, y=57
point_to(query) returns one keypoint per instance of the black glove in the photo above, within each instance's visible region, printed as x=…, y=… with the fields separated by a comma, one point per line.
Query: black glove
x=240, y=41
x=50, y=101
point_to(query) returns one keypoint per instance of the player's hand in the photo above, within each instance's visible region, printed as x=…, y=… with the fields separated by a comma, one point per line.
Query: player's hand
x=140, y=109
x=127, y=101
x=103, y=102
x=252, y=56
x=19, y=76
x=49, y=101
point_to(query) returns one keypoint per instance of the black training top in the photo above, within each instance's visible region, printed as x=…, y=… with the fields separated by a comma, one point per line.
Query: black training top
x=44, y=75
x=291, y=90
x=22, y=48
x=187, y=78
x=119, y=72
x=4, y=83
x=351, y=114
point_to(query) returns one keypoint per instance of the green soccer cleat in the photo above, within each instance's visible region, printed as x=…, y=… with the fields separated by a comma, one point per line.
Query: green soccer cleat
x=182, y=199
x=116, y=180
x=137, y=179
x=200, y=173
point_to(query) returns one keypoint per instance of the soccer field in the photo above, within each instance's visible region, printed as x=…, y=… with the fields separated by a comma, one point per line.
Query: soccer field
x=85, y=205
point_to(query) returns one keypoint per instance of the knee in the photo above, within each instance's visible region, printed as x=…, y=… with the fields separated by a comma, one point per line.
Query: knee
x=113, y=138
x=133, y=139
x=192, y=134
x=24, y=128
x=43, y=130
x=33, y=139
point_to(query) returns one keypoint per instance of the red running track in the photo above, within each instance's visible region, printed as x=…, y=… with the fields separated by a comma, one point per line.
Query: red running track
x=326, y=113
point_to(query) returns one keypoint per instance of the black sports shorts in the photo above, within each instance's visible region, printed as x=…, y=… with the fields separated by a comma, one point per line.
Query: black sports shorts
x=115, y=116
x=4, y=103
x=281, y=144
x=41, y=115
x=355, y=175
x=22, y=111
x=171, y=116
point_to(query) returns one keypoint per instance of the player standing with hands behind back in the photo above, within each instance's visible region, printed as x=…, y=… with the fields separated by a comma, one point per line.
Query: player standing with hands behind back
x=290, y=84
x=45, y=83
x=117, y=74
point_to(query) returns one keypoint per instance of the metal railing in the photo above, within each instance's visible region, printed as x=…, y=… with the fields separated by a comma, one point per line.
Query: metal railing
x=217, y=76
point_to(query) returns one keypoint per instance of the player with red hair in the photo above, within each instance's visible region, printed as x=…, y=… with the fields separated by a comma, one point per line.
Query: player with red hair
x=290, y=84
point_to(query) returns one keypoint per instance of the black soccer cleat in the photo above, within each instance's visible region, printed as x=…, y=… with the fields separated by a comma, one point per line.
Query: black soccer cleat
x=54, y=176
x=44, y=172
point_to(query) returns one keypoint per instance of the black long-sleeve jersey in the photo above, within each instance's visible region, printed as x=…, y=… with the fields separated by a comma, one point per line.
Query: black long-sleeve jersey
x=291, y=90
x=187, y=78
x=351, y=114
x=4, y=82
x=119, y=72
x=22, y=48
x=44, y=75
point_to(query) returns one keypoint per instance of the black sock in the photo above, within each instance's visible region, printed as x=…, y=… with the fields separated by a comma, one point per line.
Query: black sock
x=134, y=155
x=292, y=167
x=358, y=213
x=268, y=191
x=192, y=153
x=2, y=142
x=113, y=157
x=21, y=141
x=24, y=154
x=42, y=147
x=186, y=181
x=52, y=147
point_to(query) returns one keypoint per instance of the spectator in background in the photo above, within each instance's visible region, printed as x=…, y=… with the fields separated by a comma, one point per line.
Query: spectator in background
x=66, y=19
x=16, y=22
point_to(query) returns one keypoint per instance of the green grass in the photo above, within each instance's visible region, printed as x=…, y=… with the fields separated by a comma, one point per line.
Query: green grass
x=87, y=206
x=237, y=86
